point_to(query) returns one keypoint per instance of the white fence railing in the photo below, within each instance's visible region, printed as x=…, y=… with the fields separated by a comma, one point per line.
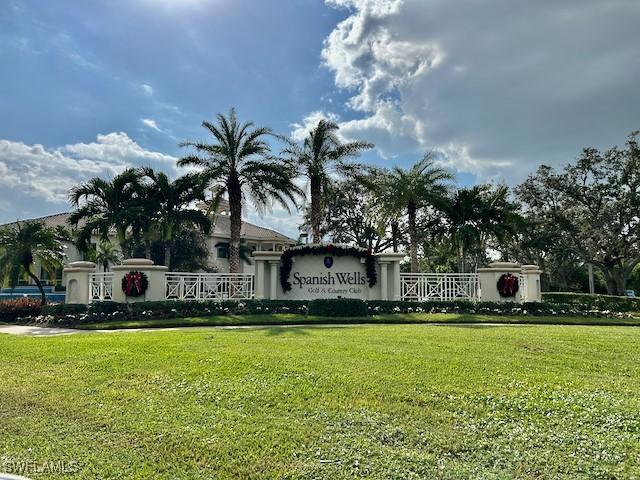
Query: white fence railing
x=522, y=288
x=439, y=286
x=100, y=287
x=208, y=286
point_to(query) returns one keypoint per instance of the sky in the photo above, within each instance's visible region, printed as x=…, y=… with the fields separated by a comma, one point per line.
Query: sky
x=495, y=88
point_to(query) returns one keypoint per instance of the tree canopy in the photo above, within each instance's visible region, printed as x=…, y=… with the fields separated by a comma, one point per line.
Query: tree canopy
x=591, y=208
x=239, y=164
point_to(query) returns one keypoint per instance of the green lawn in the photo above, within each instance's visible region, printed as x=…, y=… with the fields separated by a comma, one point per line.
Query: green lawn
x=381, y=401
x=399, y=318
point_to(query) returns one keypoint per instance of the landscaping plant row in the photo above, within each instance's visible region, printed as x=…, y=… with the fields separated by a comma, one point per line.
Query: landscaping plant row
x=594, y=301
x=29, y=311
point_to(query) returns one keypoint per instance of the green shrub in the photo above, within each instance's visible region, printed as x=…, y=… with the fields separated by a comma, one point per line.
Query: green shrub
x=108, y=308
x=178, y=308
x=63, y=309
x=343, y=307
x=29, y=310
x=11, y=310
x=488, y=308
x=594, y=301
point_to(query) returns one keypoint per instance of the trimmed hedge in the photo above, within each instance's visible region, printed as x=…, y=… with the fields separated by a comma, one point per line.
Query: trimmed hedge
x=485, y=308
x=344, y=307
x=70, y=315
x=594, y=301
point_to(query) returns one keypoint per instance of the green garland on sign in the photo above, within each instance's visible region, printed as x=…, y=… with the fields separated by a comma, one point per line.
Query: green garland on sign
x=286, y=260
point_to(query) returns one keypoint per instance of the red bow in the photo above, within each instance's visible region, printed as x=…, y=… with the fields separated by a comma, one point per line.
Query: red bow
x=509, y=285
x=134, y=280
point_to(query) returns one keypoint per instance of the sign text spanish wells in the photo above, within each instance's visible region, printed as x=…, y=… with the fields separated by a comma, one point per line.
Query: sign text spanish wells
x=329, y=278
x=312, y=276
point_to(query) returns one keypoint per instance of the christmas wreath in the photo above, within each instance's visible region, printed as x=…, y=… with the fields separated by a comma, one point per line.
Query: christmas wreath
x=135, y=284
x=508, y=285
x=286, y=260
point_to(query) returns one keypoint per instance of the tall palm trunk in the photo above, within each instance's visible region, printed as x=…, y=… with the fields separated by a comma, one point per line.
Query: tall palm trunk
x=38, y=283
x=461, y=262
x=235, y=211
x=395, y=233
x=167, y=254
x=316, y=208
x=125, y=250
x=122, y=240
x=413, y=236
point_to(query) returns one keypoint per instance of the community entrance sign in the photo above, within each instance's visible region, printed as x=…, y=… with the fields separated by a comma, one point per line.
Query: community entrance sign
x=306, y=272
x=317, y=276
x=327, y=271
x=311, y=272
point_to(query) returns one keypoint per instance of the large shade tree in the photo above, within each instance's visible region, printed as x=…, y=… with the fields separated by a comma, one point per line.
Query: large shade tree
x=24, y=242
x=407, y=191
x=319, y=157
x=592, y=206
x=352, y=215
x=105, y=206
x=171, y=206
x=239, y=164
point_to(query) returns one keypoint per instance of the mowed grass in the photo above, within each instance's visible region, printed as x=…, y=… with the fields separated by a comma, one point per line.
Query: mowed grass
x=382, y=401
x=395, y=318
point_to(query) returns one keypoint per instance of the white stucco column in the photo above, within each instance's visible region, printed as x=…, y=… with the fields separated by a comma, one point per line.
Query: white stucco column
x=155, y=276
x=264, y=283
x=391, y=273
x=273, y=280
x=531, y=275
x=384, y=289
x=259, y=280
x=396, y=281
x=76, y=276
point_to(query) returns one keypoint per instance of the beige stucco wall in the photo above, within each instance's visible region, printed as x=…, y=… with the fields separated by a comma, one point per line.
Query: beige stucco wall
x=343, y=269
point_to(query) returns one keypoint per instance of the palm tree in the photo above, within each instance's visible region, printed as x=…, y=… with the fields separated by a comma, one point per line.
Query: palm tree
x=21, y=244
x=320, y=154
x=239, y=164
x=168, y=204
x=476, y=214
x=407, y=191
x=107, y=205
x=245, y=251
x=377, y=181
x=105, y=254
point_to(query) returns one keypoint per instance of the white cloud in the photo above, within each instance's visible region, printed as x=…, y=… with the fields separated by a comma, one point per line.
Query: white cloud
x=35, y=172
x=496, y=90
x=300, y=130
x=148, y=89
x=151, y=124
x=373, y=7
x=35, y=180
x=119, y=148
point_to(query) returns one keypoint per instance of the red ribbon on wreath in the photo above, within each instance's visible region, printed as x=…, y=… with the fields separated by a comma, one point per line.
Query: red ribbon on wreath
x=508, y=285
x=134, y=280
x=135, y=284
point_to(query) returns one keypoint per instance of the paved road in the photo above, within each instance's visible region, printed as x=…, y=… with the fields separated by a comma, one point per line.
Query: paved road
x=51, y=332
x=35, y=331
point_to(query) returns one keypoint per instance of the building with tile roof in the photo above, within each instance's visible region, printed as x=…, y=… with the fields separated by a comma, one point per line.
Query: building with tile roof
x=254, y=236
